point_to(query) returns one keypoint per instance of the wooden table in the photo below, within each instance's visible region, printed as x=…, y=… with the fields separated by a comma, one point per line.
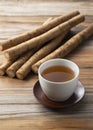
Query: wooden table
x=19, y=109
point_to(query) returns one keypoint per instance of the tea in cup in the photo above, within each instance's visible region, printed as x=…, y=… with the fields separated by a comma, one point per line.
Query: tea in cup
x=58, y=78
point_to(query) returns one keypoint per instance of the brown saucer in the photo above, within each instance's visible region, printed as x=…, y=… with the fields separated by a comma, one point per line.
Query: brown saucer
x=75, y=98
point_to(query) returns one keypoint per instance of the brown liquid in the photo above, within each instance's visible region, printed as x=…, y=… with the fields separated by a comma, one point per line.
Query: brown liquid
x=58, y=74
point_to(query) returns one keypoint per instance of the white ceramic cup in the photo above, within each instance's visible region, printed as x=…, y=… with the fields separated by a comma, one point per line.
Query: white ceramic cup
x=58, y=91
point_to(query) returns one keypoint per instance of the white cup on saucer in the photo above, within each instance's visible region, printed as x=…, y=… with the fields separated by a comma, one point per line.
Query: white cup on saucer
x=58, y=91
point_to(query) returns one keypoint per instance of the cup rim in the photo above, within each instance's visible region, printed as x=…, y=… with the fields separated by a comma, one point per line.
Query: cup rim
x=56, y=59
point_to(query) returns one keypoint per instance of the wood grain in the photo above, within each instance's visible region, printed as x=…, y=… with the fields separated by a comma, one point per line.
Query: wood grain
x=19, y=110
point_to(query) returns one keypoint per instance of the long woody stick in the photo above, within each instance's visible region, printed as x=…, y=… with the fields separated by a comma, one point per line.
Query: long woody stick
x=14, y=52
x=40, y=30
x=67, y=47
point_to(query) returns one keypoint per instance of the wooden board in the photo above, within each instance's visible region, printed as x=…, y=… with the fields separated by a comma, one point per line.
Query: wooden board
x=19, y=110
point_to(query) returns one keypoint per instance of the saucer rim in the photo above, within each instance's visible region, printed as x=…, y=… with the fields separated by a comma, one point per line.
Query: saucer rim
x=62, y=106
